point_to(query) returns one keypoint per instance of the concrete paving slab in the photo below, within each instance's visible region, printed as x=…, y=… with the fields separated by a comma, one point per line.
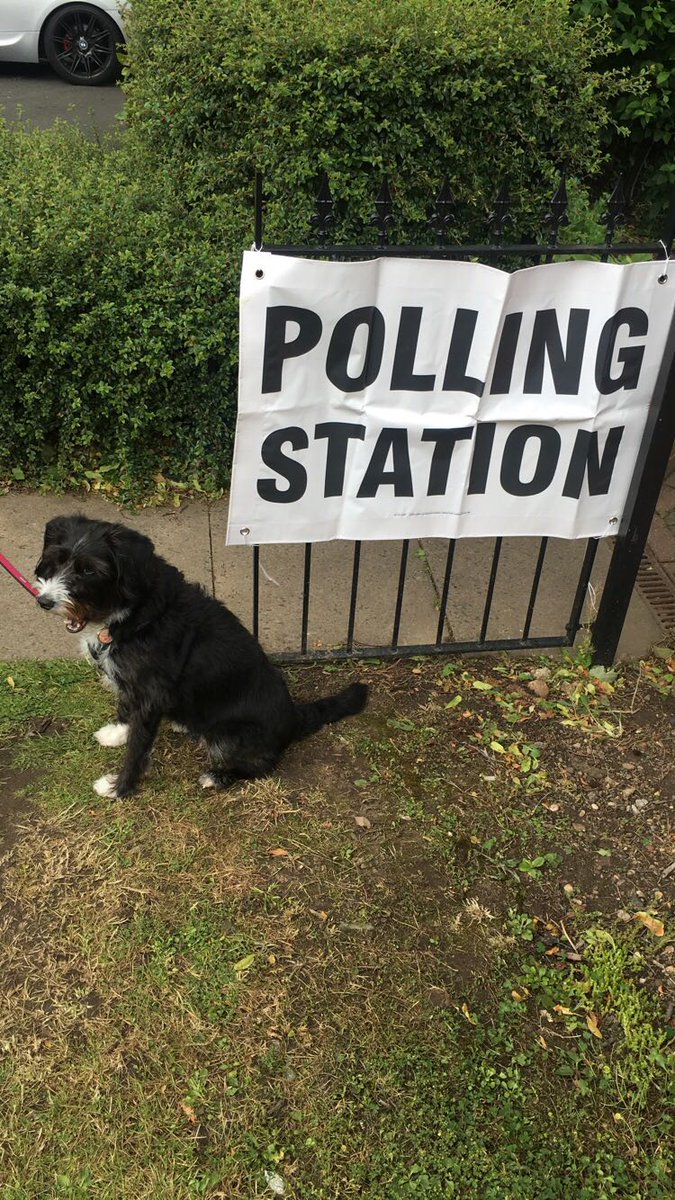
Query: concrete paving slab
x=194, y=539
x=27, y=632
x=562, y=563
x=330, y=590
x=662, y=541
x=666, y=502
x=515, y=572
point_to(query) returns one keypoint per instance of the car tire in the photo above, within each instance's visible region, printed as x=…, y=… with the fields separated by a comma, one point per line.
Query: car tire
x=80, y=44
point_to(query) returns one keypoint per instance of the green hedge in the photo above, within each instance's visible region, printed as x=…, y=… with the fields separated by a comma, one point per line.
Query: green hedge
x=118, y=339
x=643, y=44
x=119, y=263
x=414, y=89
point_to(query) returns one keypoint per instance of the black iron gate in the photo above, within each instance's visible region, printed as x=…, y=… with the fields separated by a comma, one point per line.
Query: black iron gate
x=635, y=522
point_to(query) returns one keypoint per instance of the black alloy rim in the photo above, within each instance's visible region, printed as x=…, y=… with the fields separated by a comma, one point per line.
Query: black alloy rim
x=84, y=46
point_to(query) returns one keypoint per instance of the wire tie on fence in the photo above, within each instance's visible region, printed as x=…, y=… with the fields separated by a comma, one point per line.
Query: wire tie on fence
x=663, y=278
x=246, y=533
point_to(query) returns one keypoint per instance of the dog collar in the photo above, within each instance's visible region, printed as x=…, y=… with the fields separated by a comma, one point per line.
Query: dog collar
x=104, y=636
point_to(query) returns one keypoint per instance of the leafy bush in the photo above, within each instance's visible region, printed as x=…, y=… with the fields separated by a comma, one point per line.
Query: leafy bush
x=118, y=340
x=119, y=263
x=414, y=89
x=643, y=38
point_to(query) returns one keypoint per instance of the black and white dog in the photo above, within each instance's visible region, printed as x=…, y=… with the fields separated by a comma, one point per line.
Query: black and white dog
x=170, y=650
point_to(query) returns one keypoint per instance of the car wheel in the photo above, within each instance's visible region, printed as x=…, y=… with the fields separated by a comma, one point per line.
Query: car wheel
x=80, y=44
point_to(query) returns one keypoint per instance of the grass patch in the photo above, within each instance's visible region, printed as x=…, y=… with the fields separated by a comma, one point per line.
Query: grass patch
x=412, y=964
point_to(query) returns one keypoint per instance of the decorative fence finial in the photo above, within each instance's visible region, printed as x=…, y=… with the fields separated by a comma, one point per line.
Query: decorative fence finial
x=616, y=211
x=557, y=217
x=324, y=217
x=498, y=218
x=384, y=217
x=441, y=217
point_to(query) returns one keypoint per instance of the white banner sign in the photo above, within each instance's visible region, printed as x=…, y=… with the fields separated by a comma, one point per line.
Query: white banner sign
x=405, y=398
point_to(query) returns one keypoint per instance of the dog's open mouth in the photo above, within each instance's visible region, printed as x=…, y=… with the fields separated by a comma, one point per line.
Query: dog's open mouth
x=76, y=621
x=75, y=624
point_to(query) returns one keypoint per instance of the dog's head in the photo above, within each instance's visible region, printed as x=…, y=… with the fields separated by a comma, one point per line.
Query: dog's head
x=89, y=570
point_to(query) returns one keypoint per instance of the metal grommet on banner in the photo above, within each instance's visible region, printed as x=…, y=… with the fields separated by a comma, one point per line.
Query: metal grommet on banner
x=259, y=274
x=246, y=533
x=663, y=278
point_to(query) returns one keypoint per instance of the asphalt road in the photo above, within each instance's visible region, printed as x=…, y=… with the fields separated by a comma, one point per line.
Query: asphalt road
x=36, y=94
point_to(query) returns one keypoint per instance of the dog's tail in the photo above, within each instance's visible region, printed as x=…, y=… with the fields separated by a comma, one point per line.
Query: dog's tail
x=347, y=703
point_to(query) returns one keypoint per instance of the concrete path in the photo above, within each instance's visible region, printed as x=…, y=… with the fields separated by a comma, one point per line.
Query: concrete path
x=194, y=539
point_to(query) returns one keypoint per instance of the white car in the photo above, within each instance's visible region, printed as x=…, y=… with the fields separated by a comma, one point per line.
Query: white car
x=78, y=40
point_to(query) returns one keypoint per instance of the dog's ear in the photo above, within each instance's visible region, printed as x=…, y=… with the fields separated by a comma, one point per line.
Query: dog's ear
x=132, y=554
x=54, y=531
x=128, y=541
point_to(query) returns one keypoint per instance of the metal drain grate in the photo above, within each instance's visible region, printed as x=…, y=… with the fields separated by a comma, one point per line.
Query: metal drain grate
x=658, y=590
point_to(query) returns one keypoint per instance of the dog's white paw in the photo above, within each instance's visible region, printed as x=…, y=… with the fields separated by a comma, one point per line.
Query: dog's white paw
x=207, y=780
x=112, y=735
x=106, y=786
x=177, y=728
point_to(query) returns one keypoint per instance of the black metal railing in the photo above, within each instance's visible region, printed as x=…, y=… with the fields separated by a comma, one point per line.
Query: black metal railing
x=649, y=473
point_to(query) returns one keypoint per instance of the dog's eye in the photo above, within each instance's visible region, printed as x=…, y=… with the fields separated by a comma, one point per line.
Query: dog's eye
x=88, y=571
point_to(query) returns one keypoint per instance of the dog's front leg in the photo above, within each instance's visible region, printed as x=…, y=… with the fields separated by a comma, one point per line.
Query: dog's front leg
x=143, y=728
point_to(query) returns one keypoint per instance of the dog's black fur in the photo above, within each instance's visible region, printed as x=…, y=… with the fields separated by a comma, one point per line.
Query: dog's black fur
x=176, y=653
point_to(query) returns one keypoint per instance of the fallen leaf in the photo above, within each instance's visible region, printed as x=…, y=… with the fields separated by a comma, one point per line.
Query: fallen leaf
x=520, y=996
x=560, y=1008
x=592, y=1022
x=542, y=1042
x=321, y=914
x=279, y=853
x=362, y=822
x=469, y=1015
x=189, y=1113
x=651, y=923
x=244, y=964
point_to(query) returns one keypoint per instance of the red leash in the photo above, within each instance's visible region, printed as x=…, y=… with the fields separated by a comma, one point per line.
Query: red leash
x=30, y=587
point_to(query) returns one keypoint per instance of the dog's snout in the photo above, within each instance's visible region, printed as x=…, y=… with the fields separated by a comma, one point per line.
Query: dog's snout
x=45, y=602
